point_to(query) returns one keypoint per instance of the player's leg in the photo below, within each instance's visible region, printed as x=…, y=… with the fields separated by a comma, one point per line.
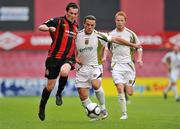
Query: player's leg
x=129, y=78
x=64, y=71
x=44, y=98
x=119, y=80
x=174, y=78
x=167, y=89
x=84, y=96
x=96, y=84
x=172, y=84
x=125, y=93
x=82, y=83
x=52, y=71
x=175, y=91
x=122, y=101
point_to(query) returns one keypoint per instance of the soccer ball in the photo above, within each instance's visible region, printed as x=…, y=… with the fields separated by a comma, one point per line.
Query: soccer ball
x=93, y=110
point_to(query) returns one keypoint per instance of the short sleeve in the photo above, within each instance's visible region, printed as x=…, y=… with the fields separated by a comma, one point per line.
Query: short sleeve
x=52, y=22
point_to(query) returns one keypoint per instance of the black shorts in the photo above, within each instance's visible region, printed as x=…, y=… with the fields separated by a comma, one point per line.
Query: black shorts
x=53, y=66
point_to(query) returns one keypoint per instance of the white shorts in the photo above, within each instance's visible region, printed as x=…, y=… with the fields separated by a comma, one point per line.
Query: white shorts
x=123, y=73
x=173, y=76
x=86, y=73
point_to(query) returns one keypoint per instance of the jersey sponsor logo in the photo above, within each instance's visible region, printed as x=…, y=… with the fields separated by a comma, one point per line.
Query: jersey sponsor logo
x=9, y=41
x=86, y=49
x=70, y=33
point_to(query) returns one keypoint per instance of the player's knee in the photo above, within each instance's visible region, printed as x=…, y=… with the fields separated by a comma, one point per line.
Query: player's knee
x=130, y=92
x=65, y=68
x=49, y=88
x=51, y=84
x=64, y=72
x=173, y=83
x=120, y=88
x=96, y=84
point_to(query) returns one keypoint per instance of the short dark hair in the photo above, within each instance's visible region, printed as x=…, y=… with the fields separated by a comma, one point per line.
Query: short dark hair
x=90, y=17
x=71, y=5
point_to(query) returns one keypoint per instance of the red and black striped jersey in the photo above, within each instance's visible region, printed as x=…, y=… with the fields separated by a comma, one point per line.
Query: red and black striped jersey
x=63, y=39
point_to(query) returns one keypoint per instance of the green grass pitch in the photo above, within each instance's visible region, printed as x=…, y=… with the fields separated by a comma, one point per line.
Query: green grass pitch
x=143, y=112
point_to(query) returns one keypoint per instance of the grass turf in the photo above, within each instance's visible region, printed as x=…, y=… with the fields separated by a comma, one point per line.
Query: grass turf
x=143, y=112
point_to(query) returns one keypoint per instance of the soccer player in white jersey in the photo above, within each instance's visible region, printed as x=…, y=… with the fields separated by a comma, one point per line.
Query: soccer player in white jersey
x=172, y=61
x=89, y=46
x=122, y=63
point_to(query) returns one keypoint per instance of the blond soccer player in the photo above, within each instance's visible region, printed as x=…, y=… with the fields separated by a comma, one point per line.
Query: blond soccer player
x=122, y=63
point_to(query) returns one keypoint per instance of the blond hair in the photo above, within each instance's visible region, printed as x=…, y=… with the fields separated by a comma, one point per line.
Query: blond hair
x=121, y=13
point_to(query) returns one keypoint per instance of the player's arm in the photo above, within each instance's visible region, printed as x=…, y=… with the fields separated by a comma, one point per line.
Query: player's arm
x=168, y=63
x=139, y=50
x=117, y=40
x=105, y=54
x=121, y=41
x=45, y=28
x=139, y=57
x=76, y=57
x=49, y=25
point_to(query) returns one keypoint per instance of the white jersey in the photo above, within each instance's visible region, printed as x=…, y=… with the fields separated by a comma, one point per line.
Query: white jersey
x=174, y=60
x=122, y=53
x=89, y=48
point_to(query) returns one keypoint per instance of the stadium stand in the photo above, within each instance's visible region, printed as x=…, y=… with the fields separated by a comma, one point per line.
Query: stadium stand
x=31, y=64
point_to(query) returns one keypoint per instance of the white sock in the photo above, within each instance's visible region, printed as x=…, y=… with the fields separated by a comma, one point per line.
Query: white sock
x=122, y=102
x=86, y=102
x=101, y=97
x=174, y=89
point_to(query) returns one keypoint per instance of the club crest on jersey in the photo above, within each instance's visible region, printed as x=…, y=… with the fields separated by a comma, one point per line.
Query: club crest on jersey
x=87, y=41
x=130, y=81
x=64, y=25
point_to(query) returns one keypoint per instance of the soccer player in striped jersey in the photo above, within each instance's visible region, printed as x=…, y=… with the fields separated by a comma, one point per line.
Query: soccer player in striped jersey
x=122, y=63
x=90, y=45
x=61, y=55
x=172, y=61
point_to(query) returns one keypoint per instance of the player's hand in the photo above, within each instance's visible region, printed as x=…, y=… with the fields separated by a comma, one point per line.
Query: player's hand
x=103, y=36
x=140, y=63
x=169, y=69
x=52, y=29
x=78, y=61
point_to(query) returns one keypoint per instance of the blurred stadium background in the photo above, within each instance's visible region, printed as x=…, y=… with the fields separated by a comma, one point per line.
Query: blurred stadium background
x=23, y=48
